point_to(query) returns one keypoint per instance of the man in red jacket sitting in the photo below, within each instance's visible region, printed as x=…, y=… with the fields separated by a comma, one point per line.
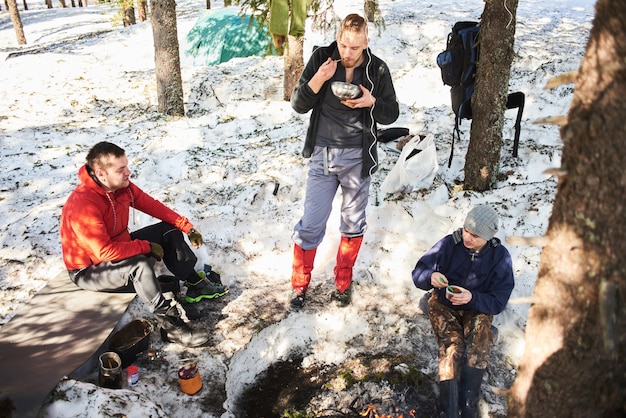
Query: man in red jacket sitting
x=102, y=255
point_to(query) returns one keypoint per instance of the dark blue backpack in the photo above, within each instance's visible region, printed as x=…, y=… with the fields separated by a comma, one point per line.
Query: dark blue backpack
x=458, y=69
x=458, y=66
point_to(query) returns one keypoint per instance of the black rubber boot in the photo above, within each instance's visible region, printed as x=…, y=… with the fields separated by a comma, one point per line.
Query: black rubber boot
x=172, y=284
x=174, y=329
x=342, y=298
x=448, y=399
x=469, y=391
x=297, y=299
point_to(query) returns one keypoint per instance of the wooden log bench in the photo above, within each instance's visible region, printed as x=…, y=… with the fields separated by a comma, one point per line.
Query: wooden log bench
x=52, y=336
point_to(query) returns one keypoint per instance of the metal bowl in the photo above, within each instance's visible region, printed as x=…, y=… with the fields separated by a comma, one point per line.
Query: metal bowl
x=344, y=90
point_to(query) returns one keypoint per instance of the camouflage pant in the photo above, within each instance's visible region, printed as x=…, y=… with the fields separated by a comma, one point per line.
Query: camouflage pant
x=464, y=338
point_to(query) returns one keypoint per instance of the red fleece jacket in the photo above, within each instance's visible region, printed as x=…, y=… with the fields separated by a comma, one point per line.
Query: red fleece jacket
x=94, y=223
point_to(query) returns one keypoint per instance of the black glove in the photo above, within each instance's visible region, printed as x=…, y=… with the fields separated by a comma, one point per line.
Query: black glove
x=156, y=251
x=195, y=238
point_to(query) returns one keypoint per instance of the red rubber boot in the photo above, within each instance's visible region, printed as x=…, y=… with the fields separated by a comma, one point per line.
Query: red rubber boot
x=346, y=257
x=301, y=275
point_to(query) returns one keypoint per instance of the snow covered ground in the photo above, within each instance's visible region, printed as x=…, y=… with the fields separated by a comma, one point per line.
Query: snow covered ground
x=82, y=79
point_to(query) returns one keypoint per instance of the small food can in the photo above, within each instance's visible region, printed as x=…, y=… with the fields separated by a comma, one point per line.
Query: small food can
x=189, y=378
x=132, y=372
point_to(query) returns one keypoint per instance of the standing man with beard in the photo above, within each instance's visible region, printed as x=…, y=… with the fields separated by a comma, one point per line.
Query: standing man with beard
x=341, y=145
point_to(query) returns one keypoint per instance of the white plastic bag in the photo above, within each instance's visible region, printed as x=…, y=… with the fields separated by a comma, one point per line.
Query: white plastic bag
x=417, y=172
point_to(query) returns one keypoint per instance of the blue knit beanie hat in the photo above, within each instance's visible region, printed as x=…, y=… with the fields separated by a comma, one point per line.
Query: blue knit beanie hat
x=482, y=220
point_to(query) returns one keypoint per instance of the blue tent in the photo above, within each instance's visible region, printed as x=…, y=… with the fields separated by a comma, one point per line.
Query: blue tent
x=221, y=34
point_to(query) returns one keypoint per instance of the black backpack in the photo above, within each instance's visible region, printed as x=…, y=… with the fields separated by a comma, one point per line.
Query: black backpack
x=458, y=69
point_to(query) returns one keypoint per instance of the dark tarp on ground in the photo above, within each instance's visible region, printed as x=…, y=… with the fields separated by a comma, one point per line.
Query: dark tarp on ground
x=61, y=328
x=221, y=34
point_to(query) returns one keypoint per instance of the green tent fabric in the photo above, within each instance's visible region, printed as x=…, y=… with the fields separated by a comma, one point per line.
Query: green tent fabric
x=221, y=34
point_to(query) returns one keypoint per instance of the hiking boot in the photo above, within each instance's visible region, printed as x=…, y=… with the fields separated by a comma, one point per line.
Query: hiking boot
x=170, y=288
x=173, y=328
x=213, y=276
x=204, y=289
x=188, y=311
x=342, y=298
x=297, y=299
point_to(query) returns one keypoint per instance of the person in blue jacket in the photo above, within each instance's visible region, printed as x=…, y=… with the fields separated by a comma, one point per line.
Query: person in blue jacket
x=481, y=267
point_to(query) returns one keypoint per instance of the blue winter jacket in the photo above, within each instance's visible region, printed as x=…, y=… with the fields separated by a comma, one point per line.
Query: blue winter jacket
x=487, y=274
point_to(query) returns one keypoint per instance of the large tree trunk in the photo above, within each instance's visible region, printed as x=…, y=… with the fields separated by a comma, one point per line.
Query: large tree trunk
x=17, y=22
x=574, y=363
x=497, y=34
x=166, y=58
x=294, y=64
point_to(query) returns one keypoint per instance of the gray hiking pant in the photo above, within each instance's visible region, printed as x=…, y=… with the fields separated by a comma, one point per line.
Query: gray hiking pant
x=131, y=275
x=136, y=274
x=330, y=168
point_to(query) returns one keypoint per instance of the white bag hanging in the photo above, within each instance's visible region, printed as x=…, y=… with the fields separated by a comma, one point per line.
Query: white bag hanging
x=416, y=172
